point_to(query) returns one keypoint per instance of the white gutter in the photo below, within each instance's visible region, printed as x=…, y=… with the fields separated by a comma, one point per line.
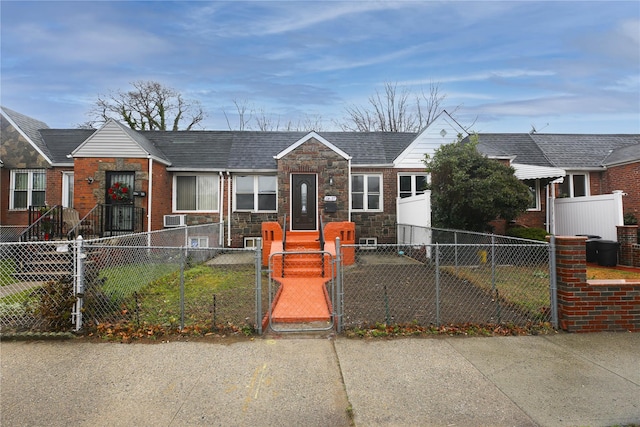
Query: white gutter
x=228, y=210
x=220, y=207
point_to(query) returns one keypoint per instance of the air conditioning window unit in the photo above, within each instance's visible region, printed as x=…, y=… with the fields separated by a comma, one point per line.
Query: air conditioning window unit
x=175, y=220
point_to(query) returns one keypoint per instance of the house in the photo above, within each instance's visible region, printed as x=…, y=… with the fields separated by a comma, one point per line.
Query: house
x=568, y=165
x=146, y=180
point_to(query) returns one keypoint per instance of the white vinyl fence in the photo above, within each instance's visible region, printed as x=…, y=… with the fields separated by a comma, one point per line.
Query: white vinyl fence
x=594, y=215
x=414, y=215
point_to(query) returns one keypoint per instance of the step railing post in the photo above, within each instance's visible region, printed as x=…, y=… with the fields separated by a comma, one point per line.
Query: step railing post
x=339, y=298
x=258, y=262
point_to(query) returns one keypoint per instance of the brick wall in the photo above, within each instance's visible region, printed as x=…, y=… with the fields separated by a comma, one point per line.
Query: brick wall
x=628, y=239
x=627, y=179
x=592, y=306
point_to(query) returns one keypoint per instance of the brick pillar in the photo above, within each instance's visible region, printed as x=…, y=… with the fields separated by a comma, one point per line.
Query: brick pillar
x=627, y=237
x=571, y=276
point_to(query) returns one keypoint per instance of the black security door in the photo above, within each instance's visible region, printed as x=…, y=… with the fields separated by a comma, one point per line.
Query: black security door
x=303, y=202
x=119, y=215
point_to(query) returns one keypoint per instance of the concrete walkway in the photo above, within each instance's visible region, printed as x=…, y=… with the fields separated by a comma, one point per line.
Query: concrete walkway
x=557, y=380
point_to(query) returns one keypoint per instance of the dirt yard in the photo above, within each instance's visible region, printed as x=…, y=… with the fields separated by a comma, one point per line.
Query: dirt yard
x=395, y=289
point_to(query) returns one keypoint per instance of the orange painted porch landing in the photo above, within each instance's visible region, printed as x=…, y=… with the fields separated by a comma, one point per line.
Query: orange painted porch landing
x=302, y=296
x=301, y=299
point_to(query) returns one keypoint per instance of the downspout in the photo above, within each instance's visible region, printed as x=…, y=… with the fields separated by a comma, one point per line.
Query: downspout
x=552, y=206
x=221, y=208
x=228, y=210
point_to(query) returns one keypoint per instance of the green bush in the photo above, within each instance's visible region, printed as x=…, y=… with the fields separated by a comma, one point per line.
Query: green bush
x=528, y=233
x=630, y=219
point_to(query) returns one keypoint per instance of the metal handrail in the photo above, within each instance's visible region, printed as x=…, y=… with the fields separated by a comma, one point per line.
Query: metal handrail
x=284, y=241
x=53, y=215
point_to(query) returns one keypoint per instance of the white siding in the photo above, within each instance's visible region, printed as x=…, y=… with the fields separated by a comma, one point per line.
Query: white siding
x=595, y=215
x=110, y=141
x=428, y=141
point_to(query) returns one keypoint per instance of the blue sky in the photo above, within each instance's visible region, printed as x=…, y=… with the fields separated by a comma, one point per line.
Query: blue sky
x=563, y=67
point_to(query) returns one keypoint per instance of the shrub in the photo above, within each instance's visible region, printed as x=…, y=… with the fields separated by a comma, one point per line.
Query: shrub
x=528, y=233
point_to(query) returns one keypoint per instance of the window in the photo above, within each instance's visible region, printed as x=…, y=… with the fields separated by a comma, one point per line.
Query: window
x=412, y=185
x=534, y=194
x=574, y=185
x=196, y=193
x=27, y=188
x=67, y=189
x=199, y=242
x=256, y=193
x=365, y=192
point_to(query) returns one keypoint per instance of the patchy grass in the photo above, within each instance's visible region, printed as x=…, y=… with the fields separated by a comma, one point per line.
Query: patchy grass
x=382, y=330
x=7, y=268
x=524, y=287
x=609, y=273
x=217, y=300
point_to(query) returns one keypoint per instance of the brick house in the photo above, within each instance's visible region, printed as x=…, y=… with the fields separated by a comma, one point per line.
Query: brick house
x=238, y=179
x=568, y=165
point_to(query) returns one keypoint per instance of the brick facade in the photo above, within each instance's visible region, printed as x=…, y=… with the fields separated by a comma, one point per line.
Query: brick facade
x=627, y=179
x=592, y=306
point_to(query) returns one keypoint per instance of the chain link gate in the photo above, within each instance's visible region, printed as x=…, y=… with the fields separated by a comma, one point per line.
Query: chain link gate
x=304, y=291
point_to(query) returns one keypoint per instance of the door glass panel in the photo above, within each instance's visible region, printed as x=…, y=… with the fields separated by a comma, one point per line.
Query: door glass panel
x=303, y=198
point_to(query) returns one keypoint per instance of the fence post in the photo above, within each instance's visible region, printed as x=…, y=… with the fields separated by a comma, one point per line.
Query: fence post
x=493, y=277
x=183, y=259
x=78, y=285
x=339, y=303
x=258, y=264
x=437, y=284
x=553, y=281
x=455, y=248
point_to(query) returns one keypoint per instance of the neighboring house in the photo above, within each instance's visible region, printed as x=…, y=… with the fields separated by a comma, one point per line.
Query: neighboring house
x=237, y=179
x=569, y=165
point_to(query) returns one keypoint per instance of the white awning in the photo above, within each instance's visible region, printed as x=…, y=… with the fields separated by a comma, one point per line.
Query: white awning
x=537, y=172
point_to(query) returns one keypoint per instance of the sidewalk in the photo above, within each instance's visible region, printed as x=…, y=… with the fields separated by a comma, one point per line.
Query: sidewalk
x=557, y=380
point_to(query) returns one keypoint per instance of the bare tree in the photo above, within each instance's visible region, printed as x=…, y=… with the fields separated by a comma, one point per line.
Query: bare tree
x=395, y=110
x=148, y=106
x=245, y=114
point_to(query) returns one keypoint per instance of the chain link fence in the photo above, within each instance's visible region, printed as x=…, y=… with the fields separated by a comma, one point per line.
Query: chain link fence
x=458, y=278
x=184, y=279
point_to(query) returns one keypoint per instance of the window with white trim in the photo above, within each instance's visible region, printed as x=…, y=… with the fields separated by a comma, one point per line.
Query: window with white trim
x=412, y=185
x=195, y=193
x=366, y=192
x=534, y=194
x=574, y=185
x=27, y=188
x=67, y=189
x=255, y=193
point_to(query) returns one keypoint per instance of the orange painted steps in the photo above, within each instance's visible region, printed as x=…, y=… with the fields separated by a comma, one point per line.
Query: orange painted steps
x=302, y=296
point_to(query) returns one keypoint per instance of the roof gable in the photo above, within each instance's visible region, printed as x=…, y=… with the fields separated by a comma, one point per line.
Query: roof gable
x=307, y=137
x=116, y=140
x=29, y=128
x=442, y=130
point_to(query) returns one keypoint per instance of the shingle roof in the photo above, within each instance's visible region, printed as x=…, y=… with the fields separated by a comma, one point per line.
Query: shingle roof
x=567, y=151
x=61, y=142
x=256, y=150
x=520, y=145
x=30, y=127
x=628, y=153
x=581, y=151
